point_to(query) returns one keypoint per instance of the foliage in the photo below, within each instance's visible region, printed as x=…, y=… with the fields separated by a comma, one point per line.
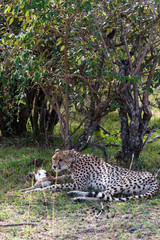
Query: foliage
x=96, y=56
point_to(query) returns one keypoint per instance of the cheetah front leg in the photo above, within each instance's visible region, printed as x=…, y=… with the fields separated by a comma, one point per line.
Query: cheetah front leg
x=53, y=188
x=78, y=193
x=58, y=187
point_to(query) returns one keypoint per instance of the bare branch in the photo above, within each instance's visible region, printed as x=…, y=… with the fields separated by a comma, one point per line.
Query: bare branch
x=75, y=130
x=152, y=130
x=101, y=147
x=107, y=132
x=153, y=139
x=85, y=80
x=78, y=127
x=145, y=51
x=127, y=48
x=104, y=130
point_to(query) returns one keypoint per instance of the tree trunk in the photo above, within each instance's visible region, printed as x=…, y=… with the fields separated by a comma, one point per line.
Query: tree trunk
x=44, y=117
x=134, y=114
x=87, y=133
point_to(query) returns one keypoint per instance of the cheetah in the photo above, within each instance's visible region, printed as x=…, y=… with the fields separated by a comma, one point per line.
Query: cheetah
x=92, y=172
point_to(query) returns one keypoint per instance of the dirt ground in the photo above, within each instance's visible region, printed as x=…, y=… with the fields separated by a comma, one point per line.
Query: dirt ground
x=57, y=217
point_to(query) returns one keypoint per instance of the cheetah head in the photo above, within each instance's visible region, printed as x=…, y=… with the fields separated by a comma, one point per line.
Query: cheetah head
x=62, y=160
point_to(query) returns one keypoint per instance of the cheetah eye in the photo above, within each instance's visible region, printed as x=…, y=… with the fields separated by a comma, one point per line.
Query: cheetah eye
x=60, y=160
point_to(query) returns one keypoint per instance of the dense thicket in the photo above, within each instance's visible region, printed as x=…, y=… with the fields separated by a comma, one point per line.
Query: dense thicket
x=63, y=59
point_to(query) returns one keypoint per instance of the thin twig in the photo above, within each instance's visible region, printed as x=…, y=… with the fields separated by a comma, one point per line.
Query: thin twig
x=152, y=130
x=107, y=132
x=104, y=130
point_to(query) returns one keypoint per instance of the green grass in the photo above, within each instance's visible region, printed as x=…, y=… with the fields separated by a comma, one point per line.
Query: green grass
x=55, y=215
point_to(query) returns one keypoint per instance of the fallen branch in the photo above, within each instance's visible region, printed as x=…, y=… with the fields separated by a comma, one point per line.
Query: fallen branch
x=132, y=229
x=17, y=224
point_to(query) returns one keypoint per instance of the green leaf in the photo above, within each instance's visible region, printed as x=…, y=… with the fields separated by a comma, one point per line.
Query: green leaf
x=27, y=13
x=55, y=14
x=16, y=9
x=62, y=48
x=18, y=60
x=59, y=41
x=79, y=62
x=11, y=21
x=38, y=76
x=150, y=90
x=8, y=9
x=112, y=106
x=157, y=85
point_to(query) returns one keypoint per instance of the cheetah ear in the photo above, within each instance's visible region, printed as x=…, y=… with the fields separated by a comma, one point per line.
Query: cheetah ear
x=57, y=150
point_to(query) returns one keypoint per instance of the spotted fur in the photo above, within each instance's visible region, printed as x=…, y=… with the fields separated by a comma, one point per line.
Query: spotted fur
x=92, y=172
